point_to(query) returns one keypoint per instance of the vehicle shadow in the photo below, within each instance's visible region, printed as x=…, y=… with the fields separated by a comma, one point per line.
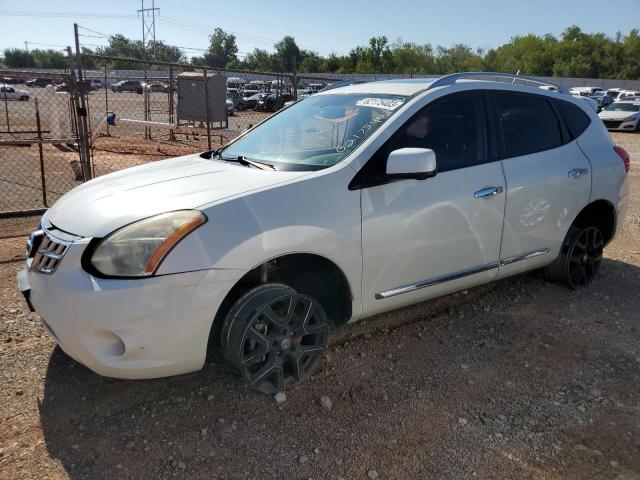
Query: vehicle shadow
x=194, y=425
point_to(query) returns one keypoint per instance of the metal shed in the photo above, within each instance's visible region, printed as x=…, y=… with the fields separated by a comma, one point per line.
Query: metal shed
x=191, y=98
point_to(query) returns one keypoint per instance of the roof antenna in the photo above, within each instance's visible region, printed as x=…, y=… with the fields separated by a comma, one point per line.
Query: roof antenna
x=514, y=78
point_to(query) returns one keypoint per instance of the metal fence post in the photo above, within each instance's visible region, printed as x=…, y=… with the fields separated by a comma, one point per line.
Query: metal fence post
x=106, y=96
x=6, y=111
x=41, y=154
x=172, y=135
x=81, y=109
x=207, y=107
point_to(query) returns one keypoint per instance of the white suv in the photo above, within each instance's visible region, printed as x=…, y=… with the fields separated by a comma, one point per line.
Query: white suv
x=354, y=201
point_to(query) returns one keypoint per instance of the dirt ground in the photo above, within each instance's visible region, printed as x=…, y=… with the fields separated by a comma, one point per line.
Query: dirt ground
x=518, y=379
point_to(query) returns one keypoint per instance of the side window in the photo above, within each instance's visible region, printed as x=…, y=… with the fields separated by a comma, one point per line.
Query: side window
x=576, y=120
x=452, y=127
x=528, y=123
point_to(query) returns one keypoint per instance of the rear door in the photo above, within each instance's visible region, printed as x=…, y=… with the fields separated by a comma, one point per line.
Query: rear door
x=548, y=179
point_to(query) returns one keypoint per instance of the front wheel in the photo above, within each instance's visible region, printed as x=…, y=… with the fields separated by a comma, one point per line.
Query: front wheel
x=275, y=336
x=579, y=259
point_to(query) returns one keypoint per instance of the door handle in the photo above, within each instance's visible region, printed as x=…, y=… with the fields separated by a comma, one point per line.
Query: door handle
x=488, y=192
x=577, y=172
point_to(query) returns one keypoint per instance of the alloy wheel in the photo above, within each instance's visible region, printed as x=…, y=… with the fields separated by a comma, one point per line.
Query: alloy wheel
x=276, y=337
x=585, y=256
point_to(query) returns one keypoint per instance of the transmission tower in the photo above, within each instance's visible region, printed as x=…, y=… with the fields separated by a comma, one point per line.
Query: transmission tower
x=148, y=17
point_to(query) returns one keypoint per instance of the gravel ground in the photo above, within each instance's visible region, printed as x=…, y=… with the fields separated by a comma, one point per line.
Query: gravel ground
x=518, y=379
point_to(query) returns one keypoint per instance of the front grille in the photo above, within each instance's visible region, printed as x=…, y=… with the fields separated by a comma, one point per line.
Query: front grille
x=48, y=255
x=612, y=123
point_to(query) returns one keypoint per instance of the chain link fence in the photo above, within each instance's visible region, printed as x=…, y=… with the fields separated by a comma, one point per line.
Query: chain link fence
x=161, y=110
x=58, y=130
x=39, y=150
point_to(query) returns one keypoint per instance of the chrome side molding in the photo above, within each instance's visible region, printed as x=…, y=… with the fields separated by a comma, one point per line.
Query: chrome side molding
x=456, y=275
x=524, y=256
x=435, y=281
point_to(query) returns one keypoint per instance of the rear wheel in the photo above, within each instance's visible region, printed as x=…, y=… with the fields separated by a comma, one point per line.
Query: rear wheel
x=275, y=336
x=579, y=259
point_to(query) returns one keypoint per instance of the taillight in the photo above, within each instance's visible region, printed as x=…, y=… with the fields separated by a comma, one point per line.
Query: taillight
x=624, y=156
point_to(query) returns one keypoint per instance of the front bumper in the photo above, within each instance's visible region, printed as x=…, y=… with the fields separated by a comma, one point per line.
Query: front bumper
x=621, y=125
x=143, y=328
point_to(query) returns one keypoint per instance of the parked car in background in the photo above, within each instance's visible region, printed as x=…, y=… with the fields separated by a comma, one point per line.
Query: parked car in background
x=251, y=101
x=11, y=80
x=156, y=87
x=622, y=116
x=271, y=102
x=127, y=86
x=39, y=82
x=94, y=83
x=549, y=88
x=356, y=201
x=235, y=83
x=84, y=85
x=585, y=91
x=11, y=93
x=230, y=108
x=239, y=103
x=602, y=98
x=613, y=93
x=628, y=95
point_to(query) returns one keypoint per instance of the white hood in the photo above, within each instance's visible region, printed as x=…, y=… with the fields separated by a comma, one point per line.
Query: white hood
x=98, y=207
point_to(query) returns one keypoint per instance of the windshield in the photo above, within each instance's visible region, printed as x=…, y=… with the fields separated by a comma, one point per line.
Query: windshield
x=319, y=132
x=624, y=107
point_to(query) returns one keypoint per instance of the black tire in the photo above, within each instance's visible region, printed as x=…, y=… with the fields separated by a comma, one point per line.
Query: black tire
x=24, y=98
x=274, y=336
x=579, y=258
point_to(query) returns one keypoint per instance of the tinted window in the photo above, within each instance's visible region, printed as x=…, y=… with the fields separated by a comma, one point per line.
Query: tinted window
x=576, y=120
x=452, y=128
x=528, y=122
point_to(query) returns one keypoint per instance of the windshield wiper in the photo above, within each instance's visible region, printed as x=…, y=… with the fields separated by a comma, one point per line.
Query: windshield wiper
x=211, y=153
x=241, y=159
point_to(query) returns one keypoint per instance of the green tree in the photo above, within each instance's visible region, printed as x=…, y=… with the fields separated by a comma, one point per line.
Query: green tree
x=222, y=50
x=288, y=54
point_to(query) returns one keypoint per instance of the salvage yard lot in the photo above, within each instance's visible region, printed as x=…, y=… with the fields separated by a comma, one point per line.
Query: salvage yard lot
x=518, y=379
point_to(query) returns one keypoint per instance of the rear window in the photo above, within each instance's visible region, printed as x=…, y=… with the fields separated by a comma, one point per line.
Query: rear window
x=576, y=120
x=528, y=122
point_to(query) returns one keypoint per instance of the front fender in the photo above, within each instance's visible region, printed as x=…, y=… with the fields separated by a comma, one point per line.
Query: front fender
x=316, y=215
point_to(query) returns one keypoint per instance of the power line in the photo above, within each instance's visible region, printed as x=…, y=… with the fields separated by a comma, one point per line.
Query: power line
x=200, y=28
x=53, y=14
x=94, y=31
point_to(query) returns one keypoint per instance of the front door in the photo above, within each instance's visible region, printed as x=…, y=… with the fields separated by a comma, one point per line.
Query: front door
x=424, y=238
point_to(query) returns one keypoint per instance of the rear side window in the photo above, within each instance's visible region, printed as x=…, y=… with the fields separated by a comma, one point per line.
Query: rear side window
x=576, y=120
x=528, y=122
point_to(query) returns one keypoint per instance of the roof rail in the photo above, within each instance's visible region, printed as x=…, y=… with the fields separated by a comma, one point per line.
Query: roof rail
x=454, y=77
x=342, y=83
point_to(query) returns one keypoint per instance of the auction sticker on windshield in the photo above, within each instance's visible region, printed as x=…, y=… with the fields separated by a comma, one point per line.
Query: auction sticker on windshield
x=384, y=103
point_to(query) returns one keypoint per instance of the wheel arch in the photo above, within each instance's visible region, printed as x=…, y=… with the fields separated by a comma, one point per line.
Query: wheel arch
x=309, y=273
x=600, y=213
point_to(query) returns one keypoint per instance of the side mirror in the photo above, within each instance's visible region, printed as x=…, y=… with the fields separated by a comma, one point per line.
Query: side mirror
x=415, y=163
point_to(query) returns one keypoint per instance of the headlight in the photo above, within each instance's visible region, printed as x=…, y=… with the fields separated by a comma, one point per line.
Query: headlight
x=138, y=249
x=631, y=118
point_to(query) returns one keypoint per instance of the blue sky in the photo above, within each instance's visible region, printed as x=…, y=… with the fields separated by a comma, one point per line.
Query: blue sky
x=323, y=26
